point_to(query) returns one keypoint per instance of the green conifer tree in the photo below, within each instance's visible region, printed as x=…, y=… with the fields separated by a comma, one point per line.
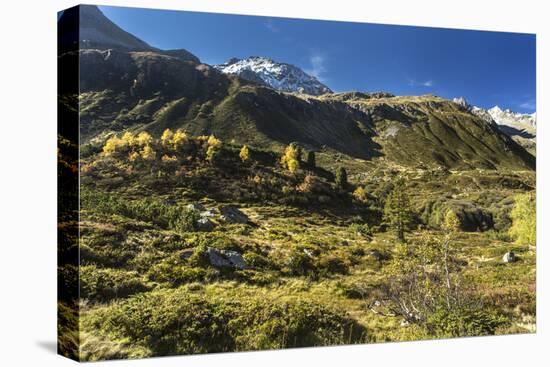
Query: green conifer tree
x=341, y=179
x=397, y=212
x=311, y=159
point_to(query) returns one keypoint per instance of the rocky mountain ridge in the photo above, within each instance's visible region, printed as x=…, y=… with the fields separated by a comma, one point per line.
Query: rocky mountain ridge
x=522, y=127
x=280, y=76
x=154, y=90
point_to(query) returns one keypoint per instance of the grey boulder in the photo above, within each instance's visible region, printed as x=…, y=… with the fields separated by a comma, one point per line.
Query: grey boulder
x=226, y=259
x=509, y=257
x=205, y=225
x=230, y=214
x=207, y=214
x=196, y=206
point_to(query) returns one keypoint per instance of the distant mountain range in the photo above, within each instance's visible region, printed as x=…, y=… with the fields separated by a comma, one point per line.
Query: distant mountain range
x=277, y=75
x=521, y=127
x=126, y=84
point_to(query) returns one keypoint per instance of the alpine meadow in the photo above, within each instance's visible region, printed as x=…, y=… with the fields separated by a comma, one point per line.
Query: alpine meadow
x=248, y=203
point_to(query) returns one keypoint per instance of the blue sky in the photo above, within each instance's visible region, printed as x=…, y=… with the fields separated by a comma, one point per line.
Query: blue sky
x=487, y=68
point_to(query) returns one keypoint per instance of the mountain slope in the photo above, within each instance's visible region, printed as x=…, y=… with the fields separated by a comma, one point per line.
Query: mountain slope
x=146, y=90
x=279, y=76
x=153, y=91
x=431, y=130
x=96, y=31
x=521, y=127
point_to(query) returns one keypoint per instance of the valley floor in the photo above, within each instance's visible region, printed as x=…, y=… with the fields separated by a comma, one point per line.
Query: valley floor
x=347, y=285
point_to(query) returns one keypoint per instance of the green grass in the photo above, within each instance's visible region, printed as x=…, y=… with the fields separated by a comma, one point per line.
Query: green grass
x=313, y=267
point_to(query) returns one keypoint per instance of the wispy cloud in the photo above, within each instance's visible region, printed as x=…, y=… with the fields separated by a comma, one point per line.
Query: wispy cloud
x=529, y=105
x=269, y=24
x=415, y=83
x=318, y=67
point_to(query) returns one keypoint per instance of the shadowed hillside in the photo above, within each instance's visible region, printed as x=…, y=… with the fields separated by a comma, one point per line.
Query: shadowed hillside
x=153, y=91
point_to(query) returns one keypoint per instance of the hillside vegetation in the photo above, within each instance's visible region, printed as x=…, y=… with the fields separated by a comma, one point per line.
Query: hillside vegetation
x=215, y=214
x=189, y=245
x=152, y=92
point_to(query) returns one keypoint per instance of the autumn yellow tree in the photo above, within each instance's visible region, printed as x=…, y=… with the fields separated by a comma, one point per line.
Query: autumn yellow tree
x=128, y=139
x=167, y=137
x=214, y=142
x=148, y=153
x=169, y=159
x=111, y=146
x=134, y=156
x=293, y=165
x=144, y=139
x=132, y=147
x=179, y=139
x=244, y=154
x=308, y=185
x=360, y=194
x=214, y=147
x=118, y=145
x=291, y=158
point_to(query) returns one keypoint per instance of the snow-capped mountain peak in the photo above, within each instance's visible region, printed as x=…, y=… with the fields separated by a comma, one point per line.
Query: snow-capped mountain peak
x=461, y=101
x=522, y=127
x=277, y=75
x=498, y=115
x=508, y=117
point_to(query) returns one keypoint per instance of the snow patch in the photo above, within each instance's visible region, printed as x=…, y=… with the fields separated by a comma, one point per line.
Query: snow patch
x=279, y=76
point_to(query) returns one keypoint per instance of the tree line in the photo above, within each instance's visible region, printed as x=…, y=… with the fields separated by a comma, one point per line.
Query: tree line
x=397, y=214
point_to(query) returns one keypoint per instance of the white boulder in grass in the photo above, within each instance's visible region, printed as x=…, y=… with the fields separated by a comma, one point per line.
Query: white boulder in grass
x=509, y=257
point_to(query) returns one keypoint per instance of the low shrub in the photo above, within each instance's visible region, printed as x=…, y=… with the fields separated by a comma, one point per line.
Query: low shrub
x=175, y=274
x=300, y=263
x=105, y=284
x=498, y=235
x=360, y=229
x=177, y=322
x=257, y=261
x=176, y=217
x=68, y=336
x=200, y=257
x=332, y=264
x=348, y=290
x=464, y=321
x=471, y=216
